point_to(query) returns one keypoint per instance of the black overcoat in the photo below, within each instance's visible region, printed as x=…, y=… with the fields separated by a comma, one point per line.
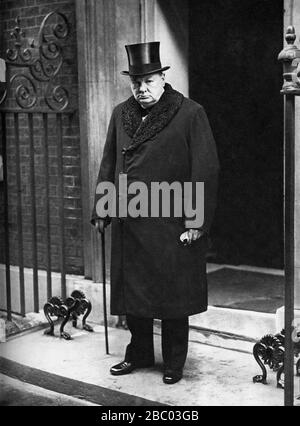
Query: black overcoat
x=152, y=273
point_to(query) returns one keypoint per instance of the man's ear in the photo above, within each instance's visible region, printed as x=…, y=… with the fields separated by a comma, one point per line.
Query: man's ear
x=163, y=76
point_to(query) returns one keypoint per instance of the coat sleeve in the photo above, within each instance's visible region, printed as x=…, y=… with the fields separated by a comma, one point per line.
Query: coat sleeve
x=204, y=165
x=107, y=166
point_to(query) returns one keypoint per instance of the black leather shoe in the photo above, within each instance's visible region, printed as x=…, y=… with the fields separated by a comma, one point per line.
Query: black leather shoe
x=171, y=377
x=122, y=368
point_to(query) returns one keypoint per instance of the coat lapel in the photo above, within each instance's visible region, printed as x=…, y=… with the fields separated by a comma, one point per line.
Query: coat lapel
x=159, y=117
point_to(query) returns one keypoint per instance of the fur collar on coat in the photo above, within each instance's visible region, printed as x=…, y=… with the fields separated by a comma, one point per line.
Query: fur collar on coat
x=158, y=118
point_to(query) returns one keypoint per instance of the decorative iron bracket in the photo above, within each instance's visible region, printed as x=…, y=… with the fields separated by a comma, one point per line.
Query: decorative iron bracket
x=75, y=305
x=270, y=351
x=290, y=56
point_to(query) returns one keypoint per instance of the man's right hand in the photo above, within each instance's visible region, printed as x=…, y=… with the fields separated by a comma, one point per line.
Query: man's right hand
x=99, y=224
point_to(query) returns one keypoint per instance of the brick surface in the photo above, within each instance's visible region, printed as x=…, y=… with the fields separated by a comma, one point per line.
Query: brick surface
x=31, y=14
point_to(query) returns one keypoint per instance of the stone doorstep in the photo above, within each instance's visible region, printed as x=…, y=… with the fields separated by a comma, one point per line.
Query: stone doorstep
x=219, y=325
x=213, y=376
x=240, y=325
x=197, y=334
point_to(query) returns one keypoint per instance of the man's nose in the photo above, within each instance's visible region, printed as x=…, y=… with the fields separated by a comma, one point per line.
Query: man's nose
x=143, y=87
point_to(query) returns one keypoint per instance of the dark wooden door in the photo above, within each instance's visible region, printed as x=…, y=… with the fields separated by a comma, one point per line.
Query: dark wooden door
x=235, y=75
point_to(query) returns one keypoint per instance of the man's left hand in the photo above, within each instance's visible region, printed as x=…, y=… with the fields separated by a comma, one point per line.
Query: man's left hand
x=192, y=235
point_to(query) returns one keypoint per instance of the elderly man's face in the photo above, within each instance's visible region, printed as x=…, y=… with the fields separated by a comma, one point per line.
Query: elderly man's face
x=148, y=89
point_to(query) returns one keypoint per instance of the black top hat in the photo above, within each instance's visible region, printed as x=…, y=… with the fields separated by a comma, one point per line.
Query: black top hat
x=143, y=59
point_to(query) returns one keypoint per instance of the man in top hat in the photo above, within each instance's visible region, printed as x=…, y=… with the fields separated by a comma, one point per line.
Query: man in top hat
x=157, y=135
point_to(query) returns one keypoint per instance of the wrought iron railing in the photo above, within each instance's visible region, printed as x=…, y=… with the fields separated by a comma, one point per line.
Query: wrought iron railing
x=35, y=93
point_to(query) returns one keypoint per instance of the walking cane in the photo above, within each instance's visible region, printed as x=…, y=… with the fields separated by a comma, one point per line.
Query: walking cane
x=104, y=289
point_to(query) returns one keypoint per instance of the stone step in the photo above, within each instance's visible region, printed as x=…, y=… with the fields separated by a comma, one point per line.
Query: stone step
x=241, y=325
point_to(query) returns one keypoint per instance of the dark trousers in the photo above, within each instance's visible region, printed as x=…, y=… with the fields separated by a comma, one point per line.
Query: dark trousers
x=174, y=341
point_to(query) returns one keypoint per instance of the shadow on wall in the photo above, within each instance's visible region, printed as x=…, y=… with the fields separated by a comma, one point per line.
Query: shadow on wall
x=172, y=30
x=176, y=13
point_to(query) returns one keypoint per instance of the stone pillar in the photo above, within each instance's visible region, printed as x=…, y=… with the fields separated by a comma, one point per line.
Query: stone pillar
x=293, y=16
x=103, y=28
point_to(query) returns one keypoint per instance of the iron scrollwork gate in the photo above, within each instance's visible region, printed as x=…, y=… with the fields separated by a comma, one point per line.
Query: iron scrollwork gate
x=35, y=110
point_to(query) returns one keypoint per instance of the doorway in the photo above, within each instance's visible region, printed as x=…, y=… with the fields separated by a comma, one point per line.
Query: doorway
x=234, y=74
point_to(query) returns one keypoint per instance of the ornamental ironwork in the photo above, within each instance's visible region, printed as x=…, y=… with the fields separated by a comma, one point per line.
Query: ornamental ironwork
x=270, y=351
x=290, y=57
x=33, y=68
x=69, y=309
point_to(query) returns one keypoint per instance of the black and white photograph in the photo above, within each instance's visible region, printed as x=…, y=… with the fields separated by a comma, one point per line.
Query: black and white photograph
x=149, y=206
